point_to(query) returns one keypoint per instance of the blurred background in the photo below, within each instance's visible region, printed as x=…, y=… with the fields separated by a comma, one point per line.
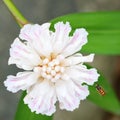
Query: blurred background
x=40, y=11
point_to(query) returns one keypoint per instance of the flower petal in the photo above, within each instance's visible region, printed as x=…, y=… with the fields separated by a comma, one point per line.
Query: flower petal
x=39, y=37
x=69, y=94
x=23, y=55
x=41, y=98
x=21, y=81
x=81, y=74
x=77, y=59
x=61, y=36
x=77, y=41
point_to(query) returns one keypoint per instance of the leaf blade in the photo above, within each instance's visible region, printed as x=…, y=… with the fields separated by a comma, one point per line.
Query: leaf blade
x=104, y=29
x=24, y=113
x=106, y=101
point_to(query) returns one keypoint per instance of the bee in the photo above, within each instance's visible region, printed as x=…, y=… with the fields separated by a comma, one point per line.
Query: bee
x=100, y=90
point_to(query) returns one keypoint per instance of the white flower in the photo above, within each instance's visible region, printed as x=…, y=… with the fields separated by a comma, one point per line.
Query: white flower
x=54, y=71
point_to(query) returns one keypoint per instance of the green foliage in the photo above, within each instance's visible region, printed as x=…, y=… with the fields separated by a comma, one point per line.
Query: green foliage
x=104, y=38
x=24, y=113
x=108, y=101
x=103, y=28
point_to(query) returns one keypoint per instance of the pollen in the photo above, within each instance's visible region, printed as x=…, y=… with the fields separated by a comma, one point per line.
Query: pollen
x=52, y=69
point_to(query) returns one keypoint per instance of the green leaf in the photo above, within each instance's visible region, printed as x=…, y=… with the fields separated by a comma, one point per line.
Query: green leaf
x=24, y=113
x=103, y=28
x=109, y=101
x=104, y=38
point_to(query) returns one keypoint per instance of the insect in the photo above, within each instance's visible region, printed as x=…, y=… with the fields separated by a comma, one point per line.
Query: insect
x=100, y=89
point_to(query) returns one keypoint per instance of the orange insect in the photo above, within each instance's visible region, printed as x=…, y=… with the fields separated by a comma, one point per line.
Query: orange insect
x=100, y=90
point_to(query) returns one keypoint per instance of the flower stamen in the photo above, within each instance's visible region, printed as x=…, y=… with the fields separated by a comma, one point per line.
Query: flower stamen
x=52, y=69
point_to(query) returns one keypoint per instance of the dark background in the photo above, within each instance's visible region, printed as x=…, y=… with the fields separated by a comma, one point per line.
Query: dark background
x=40, y=11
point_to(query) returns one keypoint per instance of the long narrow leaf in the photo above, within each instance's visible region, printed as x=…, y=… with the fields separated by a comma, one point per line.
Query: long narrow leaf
x=24, y=113
x=109, y=101
x=104, y=38
x=103, y=28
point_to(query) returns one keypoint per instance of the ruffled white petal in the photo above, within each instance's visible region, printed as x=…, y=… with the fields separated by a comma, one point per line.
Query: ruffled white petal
x=69, y=94
x=77, y=59
x=61, y=36
x=23, y=55
x=57, y=72
x=41, y=98
x=81, y=74
x=76, y=42
x=22, y=81
x=29, y=31
x=39, y=37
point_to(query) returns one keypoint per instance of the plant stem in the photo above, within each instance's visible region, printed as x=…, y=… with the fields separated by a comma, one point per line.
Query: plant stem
x=15, y=12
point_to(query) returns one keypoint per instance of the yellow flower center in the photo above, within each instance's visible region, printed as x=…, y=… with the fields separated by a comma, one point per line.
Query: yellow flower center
x=52, y=69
